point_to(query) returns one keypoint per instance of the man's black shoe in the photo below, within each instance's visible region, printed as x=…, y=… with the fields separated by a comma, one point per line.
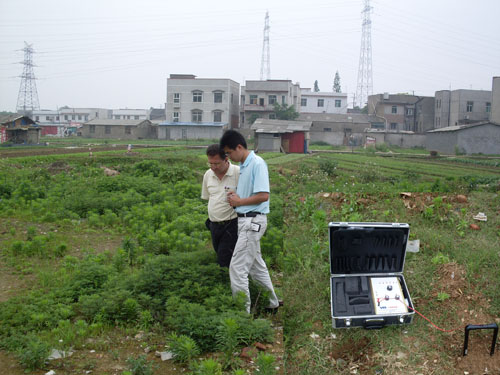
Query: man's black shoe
x=274, y=310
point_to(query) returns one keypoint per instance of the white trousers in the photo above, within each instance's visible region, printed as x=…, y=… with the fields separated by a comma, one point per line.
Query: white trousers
x=247, y=260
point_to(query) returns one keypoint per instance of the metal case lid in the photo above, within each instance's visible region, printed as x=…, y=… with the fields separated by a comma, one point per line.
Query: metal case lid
x=367, y=248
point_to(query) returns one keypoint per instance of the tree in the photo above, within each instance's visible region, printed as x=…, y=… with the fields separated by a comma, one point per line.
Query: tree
x=316, y=87
x=336, y=83
x=284, y=112
x=252, y=118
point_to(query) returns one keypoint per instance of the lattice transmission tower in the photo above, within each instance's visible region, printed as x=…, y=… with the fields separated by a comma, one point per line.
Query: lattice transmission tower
x=27, y=99
x=265, y=62
x=365, y=74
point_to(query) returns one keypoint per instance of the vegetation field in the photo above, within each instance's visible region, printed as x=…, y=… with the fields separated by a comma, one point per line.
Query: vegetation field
x=453, y=279
x=106, y=257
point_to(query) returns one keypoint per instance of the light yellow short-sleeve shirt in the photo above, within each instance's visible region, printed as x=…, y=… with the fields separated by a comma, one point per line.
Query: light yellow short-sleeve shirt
x=215, y=191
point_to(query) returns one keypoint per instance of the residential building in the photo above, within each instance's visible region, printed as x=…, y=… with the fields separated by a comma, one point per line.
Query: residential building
x=403, y=112
x=65, y=120
x=322, y=102
x=119, y=129
x=19, y=129
x=199, y=102
x=258, y=99
x=130, y=114
x=495, y=101
x=458, y=107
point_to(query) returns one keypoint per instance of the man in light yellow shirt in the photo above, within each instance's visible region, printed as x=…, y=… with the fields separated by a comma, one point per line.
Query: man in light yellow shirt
x=221, y=178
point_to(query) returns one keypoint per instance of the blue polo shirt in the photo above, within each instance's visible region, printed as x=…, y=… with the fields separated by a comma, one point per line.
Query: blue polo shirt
x=254, y=178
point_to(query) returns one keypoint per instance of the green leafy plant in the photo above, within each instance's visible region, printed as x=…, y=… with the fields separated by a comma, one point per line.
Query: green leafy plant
x=228, y=338
x=442, y=296
x=34, y=353
x=208, y=367
x=183, y=347
x=140, y=365
x=265, y=364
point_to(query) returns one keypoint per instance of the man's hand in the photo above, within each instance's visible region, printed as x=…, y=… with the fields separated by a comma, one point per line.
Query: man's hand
x=235, y=200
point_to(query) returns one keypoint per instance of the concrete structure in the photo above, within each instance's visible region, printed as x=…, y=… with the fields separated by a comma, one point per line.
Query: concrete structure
x=197, y=101
x=281, y=135
x=341, y=129
x=188, y=130
x=495, y=101
x=403, y=112
x=67, y=121
x=258, y=98
x=322, y=102
x=19, y=129
x=460, y=107
x=119, y=129
x=130, y=114
x=478, y=138
x=404, y=139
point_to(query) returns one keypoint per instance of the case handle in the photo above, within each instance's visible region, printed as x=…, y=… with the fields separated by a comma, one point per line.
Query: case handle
x=377, y=323
x=472, y=327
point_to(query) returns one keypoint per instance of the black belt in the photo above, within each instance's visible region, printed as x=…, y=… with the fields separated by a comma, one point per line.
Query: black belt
x=223, y=222
x=250, y=214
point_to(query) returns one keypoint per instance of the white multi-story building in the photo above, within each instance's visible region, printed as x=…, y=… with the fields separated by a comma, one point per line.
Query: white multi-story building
x=130, y=114
x=322, y=102
x=66, y=120
x=199, y=107
x=258, y=99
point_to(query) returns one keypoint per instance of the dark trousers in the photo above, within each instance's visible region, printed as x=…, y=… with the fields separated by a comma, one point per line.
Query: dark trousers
x=224, y=237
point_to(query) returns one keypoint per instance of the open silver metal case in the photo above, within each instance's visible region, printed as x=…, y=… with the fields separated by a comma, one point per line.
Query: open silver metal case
x=368, y=288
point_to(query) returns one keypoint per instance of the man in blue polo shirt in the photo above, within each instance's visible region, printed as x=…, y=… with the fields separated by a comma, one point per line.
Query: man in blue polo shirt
x=251, y=202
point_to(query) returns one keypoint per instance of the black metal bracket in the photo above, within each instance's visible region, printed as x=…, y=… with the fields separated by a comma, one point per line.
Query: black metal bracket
x=472, y=327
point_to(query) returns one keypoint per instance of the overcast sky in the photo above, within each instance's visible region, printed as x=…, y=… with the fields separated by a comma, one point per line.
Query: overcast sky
x=118, y=53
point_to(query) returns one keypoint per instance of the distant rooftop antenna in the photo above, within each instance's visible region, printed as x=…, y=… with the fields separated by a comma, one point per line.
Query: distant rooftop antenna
x=27, y=99
x=265, y=63
x=365, y=74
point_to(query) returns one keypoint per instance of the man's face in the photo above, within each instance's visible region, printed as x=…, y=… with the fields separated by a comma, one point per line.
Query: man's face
x=235, y=155
x=217, y=164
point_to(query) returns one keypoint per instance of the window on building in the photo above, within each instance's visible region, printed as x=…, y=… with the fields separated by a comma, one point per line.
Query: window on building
x=242, y=118
x=438, y=122
x=488, y=107
x=128, y=130
x=394, y=125
x=107, y=129
x=253, y=99
x=86, y=117
x=321, y=102
x=175, y=117
x=117, y=117
x=272, y=99
x=348, y=130
x=469, y=106
x=218, y=97
x=272, y=116
x=303, y=102
x=283, y=99
x=197, y=96
x=92, y=129
x=136, y=117
x=128, y=117
x=66, y=117
x=242, y=99
x=177, y=97
x=394, y=109
x=79, y=117
x=232, y=98
x=196, y=115
x=37, y=118
x=327, y=129
x=409, y=111
x=72, y=117
x=338, y=103
x=217, y=116
x=57, y=118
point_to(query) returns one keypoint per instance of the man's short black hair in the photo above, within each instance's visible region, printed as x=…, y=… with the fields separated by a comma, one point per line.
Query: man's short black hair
x=232, y=138
x=214, y=149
